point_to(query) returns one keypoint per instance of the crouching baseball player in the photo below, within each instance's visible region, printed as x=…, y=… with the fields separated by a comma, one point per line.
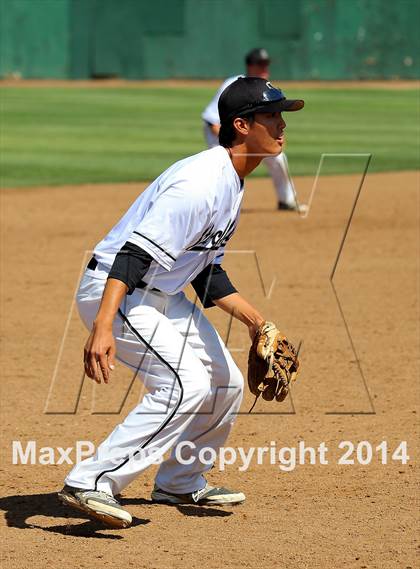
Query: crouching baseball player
x=131, y=298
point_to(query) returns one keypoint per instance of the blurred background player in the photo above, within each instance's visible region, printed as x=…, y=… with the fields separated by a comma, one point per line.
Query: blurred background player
x=257, y=63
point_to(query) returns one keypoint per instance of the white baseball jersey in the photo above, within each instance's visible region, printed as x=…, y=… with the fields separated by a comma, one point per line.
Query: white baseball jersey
x=211, y=112
x=183, y=220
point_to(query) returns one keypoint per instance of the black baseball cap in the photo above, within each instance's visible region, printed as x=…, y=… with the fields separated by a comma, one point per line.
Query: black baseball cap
x=257, y=55
x=252, y=95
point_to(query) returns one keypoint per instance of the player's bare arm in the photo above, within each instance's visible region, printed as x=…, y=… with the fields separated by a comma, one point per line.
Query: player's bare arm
x=99, y=352
x=242, y=310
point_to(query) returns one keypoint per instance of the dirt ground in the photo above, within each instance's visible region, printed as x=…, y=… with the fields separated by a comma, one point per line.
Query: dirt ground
x=313, y=516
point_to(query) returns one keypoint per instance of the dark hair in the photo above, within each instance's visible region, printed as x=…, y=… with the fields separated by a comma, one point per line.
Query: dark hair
x=227, y=132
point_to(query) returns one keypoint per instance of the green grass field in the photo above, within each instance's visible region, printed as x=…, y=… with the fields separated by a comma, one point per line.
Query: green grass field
x=75, y=135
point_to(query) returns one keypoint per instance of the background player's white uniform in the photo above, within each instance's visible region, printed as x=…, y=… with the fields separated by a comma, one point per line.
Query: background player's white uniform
x=183, y=220
x=277, y=165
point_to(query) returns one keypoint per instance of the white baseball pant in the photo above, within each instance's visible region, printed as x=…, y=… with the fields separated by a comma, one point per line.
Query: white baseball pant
x=194, y=391
x=276, y=165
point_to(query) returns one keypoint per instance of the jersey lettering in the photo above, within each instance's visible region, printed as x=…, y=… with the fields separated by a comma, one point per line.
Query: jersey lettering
x=216, y=239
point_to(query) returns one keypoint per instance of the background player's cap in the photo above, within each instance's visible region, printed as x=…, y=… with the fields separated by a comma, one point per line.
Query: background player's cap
x=251, y=95
x=257, y=55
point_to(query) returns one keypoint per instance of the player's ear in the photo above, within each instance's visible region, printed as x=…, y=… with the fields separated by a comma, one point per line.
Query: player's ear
x=241, y=125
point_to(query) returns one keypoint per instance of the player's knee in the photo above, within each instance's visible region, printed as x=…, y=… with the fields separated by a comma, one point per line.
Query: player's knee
x=236, y=382
x=200, y=392
x=197, y=386
x=233, y=382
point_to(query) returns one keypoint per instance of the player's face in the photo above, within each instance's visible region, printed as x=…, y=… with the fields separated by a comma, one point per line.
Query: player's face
x=259, y=70
x=266, y=133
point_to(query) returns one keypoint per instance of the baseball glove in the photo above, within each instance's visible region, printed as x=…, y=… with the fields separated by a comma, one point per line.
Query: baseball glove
x=272, y=364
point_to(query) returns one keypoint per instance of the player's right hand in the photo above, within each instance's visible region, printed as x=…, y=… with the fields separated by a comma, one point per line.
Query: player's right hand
x=99, y=354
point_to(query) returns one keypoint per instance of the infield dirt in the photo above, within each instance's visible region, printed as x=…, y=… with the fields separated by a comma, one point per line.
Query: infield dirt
x=314, y=516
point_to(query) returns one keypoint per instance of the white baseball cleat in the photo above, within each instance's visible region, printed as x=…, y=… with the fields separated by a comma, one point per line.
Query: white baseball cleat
x=207, y=496
x=300, y=208
x=96, y=504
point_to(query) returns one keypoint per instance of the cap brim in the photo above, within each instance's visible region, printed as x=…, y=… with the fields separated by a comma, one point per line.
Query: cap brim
x=293, y=104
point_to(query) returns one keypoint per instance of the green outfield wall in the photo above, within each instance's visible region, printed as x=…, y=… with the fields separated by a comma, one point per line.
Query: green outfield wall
x=153, y=39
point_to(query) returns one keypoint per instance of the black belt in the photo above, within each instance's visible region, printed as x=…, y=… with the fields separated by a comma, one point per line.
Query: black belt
x=93, y=263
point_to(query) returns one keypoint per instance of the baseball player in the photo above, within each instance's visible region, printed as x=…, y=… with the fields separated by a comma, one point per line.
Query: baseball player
x=131, y=299
x=257, y=63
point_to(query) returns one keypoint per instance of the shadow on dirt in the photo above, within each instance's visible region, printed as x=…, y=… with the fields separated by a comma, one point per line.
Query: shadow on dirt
x=19, y=510
x=186, y=509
